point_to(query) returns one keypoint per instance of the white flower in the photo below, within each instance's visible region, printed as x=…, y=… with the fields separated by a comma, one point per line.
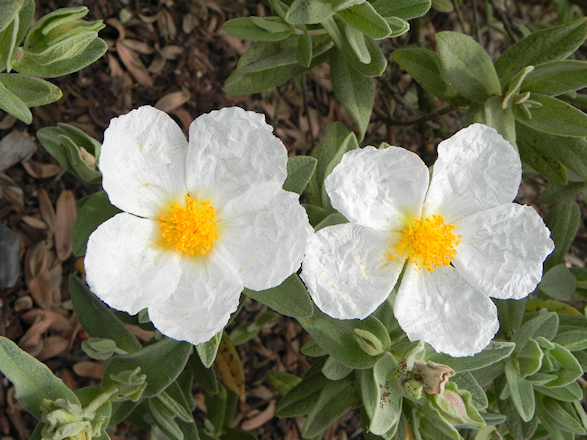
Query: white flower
x=463, y=239
x=202, y=219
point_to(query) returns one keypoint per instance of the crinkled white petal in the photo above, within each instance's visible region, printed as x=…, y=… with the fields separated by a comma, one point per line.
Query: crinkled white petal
x=378, y=188
x=346, y=271
x=444, y=310
x=502, y=250
x=476, y=170
x=264, y=233
x=207, y=293
x=124, y=268
x=143, y=161
x=231, y=150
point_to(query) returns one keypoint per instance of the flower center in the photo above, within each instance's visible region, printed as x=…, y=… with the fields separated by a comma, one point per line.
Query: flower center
x=190, y=229
x=427, y=242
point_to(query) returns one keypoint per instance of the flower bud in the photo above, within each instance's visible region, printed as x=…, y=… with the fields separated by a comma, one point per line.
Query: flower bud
x=433, y=376
x=456, y=408
x=66, y=421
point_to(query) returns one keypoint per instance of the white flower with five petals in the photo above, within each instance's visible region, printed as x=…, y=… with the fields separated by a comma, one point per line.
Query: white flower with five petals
x=201, y=219
x=459, y=239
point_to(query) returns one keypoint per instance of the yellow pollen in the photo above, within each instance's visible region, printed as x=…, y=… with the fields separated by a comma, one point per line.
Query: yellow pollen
x=427, y=242
x=190, y=229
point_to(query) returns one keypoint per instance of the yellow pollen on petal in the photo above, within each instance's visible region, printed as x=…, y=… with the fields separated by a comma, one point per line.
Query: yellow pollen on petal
x=190, y=229
x=427, y=242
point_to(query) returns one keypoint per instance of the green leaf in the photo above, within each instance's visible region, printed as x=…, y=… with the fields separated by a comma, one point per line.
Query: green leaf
x=355, y=92
x=334, y=370
x=493, y=353
x=492, y=113
x=97, y=319
x=467, y=67
x=207, y=350
x=93, y=51
x=93, y=213
x=8, y=11
x=521, y=392
x=299, y=172
x=32, y=380
x=571, y=393
x=356, y=41
x=309, y=12
x=552, y=44
x=385, y=396
x=571, y=151
x=563, y=221
x=404, y=9
x=304, y=50
x=334, y=400
x=572, y=340
x=163, y=420
x=398, y=26
x=555, y=193
x=302, y=397
x=544, y=324
x=561, y=414
x=558, y=283
x=159, y=374
x=553, y=117
x=337, y=337
x=278, y=67
x=424, y=66
x=538, y=159
x=518, y=429
x=258, y=28
x=556, y=77
x=371, y=63
x=335, y=143
x=13, y=105
x=14, y=33
x=290, y=298
x=530, y=358
x=205, y=376
x=283, y=382
x=188, y=428
x=569, y=368
x=31, y=91
x=466, y=381
x=367, y=20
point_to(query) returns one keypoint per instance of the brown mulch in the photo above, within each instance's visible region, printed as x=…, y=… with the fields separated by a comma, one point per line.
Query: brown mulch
x=174, y=56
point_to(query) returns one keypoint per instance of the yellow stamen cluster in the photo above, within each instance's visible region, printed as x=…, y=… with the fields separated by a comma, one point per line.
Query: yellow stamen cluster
x=190, y=229
x=427, y=242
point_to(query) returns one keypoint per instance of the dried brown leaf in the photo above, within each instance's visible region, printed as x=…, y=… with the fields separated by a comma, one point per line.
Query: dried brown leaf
x=260, y=419
x=90, y=370
x=34, y=222
x=37, y=275
x=46, y=208
x=23, y=303
x=41, y=170
x=53, y=346
x=167, y=27
x=14, y=196
x=66, y=214
x=172, y=101
x=14, y=147
x=138, y=46
x=229, y=367
x=32, y=340
x=116, y=24
x=171, y=52
x=55, y=321
x=134, y=65
x=185, y=118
